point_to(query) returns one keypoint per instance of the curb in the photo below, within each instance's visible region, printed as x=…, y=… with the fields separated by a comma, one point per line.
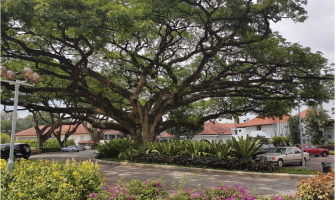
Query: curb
x=193, y=169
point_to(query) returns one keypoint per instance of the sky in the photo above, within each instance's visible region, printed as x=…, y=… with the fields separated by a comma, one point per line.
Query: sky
x=317, y=32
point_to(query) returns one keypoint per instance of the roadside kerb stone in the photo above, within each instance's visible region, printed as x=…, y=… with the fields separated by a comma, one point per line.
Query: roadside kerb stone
x=193, y=169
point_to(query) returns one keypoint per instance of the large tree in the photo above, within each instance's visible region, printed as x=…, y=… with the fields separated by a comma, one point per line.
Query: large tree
x=135, y=61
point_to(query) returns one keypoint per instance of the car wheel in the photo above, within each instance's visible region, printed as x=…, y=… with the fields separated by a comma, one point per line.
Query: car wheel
x=317, y=155
x=305, y=162
x=280, y=163
x=26, y=157
x=324, y=154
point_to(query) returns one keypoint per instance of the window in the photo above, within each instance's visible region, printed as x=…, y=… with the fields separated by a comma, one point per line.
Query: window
x=289, y=151
x=258, y=128
x=106, y=137
x=111, y=137
x=313, y=147
x=297, y=151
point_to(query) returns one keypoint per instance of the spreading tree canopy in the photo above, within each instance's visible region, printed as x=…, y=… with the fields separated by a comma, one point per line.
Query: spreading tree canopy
x=135, y=61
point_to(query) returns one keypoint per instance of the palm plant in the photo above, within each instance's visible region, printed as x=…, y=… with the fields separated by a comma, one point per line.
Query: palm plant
x=197, y=148
x=171, y=148
x=124, y=147
x=219, y=149
x=245, y=148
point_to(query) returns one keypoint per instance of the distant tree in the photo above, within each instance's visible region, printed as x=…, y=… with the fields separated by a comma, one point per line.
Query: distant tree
x=316, y=122
x=6, y=116
x=190, y=114
x=5, y=138
x=95, y=133
x=6, y=125
x=294, y=132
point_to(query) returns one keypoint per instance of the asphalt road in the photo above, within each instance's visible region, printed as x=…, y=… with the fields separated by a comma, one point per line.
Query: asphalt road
x=259, y=186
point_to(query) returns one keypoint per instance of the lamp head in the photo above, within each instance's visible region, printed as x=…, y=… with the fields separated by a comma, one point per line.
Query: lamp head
x=27, y=73
x=35, y=78
x=10, y=75
x=3, y=71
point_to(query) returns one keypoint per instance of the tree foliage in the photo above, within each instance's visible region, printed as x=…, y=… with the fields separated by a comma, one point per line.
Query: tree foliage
x=294, y=131
x=136, y=61
x=316, y=122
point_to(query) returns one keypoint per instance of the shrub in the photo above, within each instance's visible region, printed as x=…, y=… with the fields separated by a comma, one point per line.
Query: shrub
x=5, y=138
x=55, y=180
x=219, y=149
x=151, y=189
x=123, y=148
x=36, y=151
x=319, y=187
x=206, y=162
x=48, y=143
x=45, y=150
x=196, y=148
x=171, y=148
x=245, y=148
x=31, y=143
x=328, y=146
x=331, y=152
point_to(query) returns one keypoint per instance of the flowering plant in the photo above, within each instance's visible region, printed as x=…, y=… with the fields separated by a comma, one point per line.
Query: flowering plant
x=151, y=189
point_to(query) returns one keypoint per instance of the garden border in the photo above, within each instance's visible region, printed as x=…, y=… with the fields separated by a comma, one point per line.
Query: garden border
x=193, y=169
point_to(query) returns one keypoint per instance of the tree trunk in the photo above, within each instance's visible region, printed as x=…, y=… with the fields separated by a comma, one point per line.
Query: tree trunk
x=40, y=140
x=148, y=133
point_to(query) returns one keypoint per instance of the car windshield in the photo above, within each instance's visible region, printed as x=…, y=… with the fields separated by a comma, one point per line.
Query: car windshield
x=277, y=150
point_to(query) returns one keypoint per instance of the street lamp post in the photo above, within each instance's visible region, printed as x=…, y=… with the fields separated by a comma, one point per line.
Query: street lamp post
x=27, y=73
x=302, y=156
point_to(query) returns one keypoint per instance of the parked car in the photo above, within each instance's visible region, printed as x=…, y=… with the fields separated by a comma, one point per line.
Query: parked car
x=21, y=150
x=82, y=148
x=265, y=147
x=283, y=155
x=313, y=150
x=71, y=148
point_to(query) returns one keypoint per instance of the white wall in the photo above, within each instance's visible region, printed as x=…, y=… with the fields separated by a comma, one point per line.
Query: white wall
x=210, y=138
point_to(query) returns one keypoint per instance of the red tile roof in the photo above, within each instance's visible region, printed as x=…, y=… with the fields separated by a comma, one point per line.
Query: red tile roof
x=211, y=128
x=65, y=128
x=258, y=121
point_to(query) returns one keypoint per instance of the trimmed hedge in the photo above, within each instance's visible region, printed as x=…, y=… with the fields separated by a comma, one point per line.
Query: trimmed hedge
x=36, y=151
x=330, y=147
x=45, y=150
x=206, y=162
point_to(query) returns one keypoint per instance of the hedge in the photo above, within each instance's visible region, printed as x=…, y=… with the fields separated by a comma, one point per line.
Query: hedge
x=330, y=147
x=45, y=150
x=48, y=143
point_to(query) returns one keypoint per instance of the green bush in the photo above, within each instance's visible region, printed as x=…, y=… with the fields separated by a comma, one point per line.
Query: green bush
x=331, y=152
x=48, y=143
x=122, y=148
x=31, y=143
x=50, y=180
x=169, y=148
x=196, y=148
x=322, y=186
x=5, y=138
x=45, y=150
x=328, y=146
x=219, y=149
x=36, y=151
x=245, y=148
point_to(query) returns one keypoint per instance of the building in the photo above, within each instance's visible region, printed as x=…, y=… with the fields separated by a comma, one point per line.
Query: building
x=213, y=131
x=81, y=137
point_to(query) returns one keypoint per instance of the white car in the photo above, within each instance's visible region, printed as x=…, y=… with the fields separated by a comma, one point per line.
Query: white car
x=71, y=148
x=283, y=155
